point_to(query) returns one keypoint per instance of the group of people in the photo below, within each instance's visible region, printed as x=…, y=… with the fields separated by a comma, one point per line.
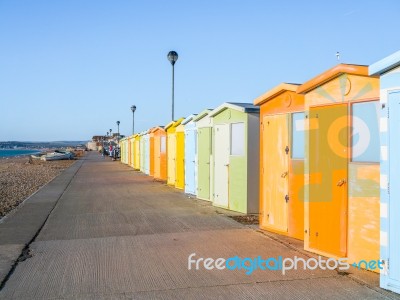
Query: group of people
x=113, y=151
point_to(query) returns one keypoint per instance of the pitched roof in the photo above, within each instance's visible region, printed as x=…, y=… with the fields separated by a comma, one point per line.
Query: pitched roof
x=174, y=123
x=188, y=119
x=385, y=64
x=276, y=91
x=331, y=74
x=239, y=106
x=157, y=128
x=202, y=114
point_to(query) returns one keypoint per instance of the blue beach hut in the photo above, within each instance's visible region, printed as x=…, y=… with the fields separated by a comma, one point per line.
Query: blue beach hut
x=389, y=71
x=190, y=155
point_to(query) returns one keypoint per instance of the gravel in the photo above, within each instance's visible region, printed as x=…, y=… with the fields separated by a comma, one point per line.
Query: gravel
x=20, y=178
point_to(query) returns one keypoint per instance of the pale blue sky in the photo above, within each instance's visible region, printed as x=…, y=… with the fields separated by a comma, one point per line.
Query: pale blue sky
x=71, y=69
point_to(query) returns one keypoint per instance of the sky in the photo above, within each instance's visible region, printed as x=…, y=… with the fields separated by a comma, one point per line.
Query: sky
x=71, y=69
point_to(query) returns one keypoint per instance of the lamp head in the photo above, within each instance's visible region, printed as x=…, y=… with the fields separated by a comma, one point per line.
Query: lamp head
x=172, y=57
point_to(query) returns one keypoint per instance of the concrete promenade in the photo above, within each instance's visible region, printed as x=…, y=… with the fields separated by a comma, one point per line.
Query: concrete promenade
x=101, y=230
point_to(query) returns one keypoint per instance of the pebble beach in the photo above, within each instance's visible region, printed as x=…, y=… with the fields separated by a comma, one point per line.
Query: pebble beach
x=20, y=178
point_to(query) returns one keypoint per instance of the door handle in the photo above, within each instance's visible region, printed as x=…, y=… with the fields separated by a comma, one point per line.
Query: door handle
x=341, y=182
x=227, y=165
x=284, y=174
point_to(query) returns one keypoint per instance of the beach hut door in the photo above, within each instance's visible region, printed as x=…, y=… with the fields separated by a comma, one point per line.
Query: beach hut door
x=275, y=172
x=190, y=161
x=204, y=151
x=394, y=190
x=146, y=154
x=171, y=148
x=328, y=161
x=222, y=152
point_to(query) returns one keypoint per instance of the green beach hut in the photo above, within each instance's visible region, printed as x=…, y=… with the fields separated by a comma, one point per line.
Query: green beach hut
x=235, y=149
x=203, y=163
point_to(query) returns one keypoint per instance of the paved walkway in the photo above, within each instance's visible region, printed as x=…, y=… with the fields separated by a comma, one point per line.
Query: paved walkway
x=113, y=233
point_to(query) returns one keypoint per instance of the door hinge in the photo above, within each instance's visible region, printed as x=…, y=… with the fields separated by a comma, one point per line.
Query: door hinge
x=388, y=187
x=388, y=113
x=287, y=149
x=287, y=198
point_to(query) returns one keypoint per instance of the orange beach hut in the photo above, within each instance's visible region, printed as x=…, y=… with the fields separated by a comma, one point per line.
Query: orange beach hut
x=342, y=163
x=160, y=153
x=282, y=160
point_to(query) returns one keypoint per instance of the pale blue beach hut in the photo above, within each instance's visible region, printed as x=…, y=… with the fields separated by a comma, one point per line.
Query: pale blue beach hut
x=145, y=167
x=190, y=155
x=142, y=150
x=389, y=71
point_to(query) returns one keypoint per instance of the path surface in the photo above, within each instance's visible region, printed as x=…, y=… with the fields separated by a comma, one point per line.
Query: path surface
x=114, y=233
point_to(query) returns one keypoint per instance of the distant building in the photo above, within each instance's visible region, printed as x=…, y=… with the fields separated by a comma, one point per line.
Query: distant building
x=92, y=145
x=98, y=140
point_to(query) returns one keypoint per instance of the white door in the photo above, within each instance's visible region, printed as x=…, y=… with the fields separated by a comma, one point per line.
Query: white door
x=394, y=190
x=221, y=162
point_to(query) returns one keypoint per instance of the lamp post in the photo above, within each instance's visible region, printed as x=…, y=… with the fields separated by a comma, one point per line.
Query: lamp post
x=118, y=122
x=172, y=57
x=133, y=109
x=102, y=143
x=108, y=134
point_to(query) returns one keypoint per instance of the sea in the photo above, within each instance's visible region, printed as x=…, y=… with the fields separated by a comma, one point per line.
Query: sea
x=8, y=153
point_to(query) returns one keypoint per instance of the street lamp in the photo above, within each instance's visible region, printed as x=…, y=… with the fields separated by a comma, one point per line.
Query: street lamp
x=133, y=108
x=118, y=122
x=108, y=134
x=172, y=57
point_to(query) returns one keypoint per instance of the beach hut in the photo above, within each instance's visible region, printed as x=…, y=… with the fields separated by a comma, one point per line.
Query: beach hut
x=170, y=128
x=141, y=151
x=190, y=155
x=342, y=164
x=235, y=142
x=160, y=153
x=389, y=70
x=125, y=151
x=180, y=156
x=136, y=162
x=121, y=147
x=204, y=154
x=282, y=160
x=131, y=151
x=122, y=150
x=151, y=152
x=146, y=152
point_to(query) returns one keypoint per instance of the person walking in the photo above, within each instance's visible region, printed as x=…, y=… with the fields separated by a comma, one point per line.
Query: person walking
x=111, y=150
